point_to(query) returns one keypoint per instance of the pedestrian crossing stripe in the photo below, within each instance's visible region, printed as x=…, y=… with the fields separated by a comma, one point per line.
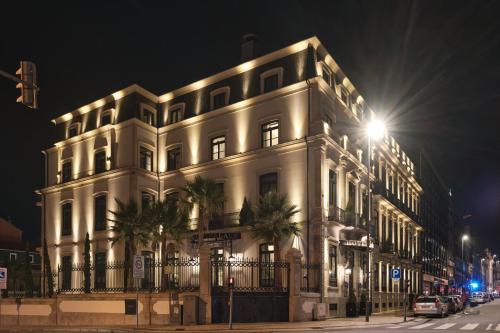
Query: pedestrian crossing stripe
x=469, y=327
x=421, y=326
x=445, y=326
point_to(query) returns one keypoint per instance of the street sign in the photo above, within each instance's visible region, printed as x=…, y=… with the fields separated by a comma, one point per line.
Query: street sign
x=396, y=273
x=138, y=267
x=217, y=237
x=3, y=278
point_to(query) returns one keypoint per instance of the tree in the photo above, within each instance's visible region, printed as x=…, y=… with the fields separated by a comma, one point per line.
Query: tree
x=209, y=197
x=127, y=226
x=16, y=272
x=246, y=213
x=166, y=220
x=28, y=274
x=47, y=269
x=86, y=264
x=273, y=223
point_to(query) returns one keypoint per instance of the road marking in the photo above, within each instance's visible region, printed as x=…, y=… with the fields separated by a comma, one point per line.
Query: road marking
x=469, y=327
x=395, y=327
x=497, y=328
x=418, y=327
x=489, y=327
x=445, y=326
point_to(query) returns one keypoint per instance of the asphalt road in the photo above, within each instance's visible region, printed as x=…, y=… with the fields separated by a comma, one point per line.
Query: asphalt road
x=484, y=317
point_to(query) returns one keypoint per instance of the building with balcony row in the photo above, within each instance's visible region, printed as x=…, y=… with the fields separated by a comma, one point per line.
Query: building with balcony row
x=289, y=121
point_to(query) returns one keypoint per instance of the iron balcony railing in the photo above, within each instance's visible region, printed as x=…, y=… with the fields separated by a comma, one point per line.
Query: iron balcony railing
x=349, y=219
x=380, y=189
x=387, y=247
x=417, y=260
x=181, y=274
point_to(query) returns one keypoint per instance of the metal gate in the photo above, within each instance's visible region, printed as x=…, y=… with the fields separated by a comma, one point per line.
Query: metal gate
x=260, y=290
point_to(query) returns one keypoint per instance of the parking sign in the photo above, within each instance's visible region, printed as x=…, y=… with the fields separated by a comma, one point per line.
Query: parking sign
x=396, y=273
x=3, y=278
x=138, y=267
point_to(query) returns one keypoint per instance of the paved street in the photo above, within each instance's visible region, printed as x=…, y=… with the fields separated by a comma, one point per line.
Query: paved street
x=484, y=317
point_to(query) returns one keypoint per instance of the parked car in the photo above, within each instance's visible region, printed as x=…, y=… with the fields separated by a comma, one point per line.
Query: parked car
x=491, y=296
x=477, y=297
x=495, y=294
x=431, y=305
x=459, y=302
x=453, y=306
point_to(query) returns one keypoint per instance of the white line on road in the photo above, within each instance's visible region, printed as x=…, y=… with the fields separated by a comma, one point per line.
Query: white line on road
x=445, y=326
x=469, y=327
x=418, y=327
x=497, y=328
x=489, y=327
x=395, y=327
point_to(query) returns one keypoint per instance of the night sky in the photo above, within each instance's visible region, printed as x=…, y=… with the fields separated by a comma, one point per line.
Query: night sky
x=432, y=67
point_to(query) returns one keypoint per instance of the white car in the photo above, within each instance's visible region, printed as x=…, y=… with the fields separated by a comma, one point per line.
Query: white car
x=431, y=306
x=478, y=297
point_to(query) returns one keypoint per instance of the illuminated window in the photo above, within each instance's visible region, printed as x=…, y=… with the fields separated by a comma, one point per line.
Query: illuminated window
x=100, y=161
x=266, y=261
x=173, y=159
x=270, y=134
x=147, y=117
x=175, y=115
x=217, y=254
x=67, y=171
x=106, y=118
x=146, y=159
x=100, y=213
x=146, y=199
x=218, y=147
x=67, y=224
x=32, y=258
x=271, y=80
x=332, y=266
x=268, y=183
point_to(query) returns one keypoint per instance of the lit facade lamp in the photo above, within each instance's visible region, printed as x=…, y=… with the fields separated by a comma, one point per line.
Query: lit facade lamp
x=375, y=130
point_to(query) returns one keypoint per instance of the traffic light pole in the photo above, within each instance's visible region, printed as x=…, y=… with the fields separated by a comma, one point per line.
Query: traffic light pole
x=18, y=80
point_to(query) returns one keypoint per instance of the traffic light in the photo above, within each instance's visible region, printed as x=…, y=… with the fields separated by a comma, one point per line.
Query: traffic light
x=231, y=283
x=29, y=89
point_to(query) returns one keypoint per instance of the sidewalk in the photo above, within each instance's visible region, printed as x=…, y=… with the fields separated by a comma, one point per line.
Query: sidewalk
x=334, y=323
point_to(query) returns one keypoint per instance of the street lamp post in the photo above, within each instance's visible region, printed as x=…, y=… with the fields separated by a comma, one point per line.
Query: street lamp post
x=375, y=130
x=464, y=238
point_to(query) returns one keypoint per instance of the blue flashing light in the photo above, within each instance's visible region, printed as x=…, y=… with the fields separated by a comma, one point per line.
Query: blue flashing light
x=474, y=285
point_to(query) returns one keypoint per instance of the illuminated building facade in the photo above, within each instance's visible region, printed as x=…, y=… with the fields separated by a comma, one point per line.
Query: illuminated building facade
x=289, y=121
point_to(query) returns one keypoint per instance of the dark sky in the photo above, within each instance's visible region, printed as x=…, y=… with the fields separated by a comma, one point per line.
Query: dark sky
x=432, y=66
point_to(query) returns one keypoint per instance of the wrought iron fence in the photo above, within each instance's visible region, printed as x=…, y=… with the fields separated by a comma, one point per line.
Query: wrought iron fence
x=176, y=274
x=250, y=275
x=310, y=277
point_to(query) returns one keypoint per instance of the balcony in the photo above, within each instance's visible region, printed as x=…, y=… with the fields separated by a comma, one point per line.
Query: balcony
x=380, y=189
x=417, y=260
x=349, y=219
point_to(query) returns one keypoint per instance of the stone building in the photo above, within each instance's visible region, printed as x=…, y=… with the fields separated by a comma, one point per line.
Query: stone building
x=289, y=121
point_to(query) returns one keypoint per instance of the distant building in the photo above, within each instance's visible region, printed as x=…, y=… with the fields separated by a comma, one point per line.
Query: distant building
x=15, y=255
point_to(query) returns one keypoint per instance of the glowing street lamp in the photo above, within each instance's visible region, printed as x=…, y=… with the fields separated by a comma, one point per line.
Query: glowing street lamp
x=464, y=238
x=375, y=129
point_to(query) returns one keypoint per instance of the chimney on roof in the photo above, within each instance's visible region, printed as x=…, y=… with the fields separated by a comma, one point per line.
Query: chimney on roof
x=249, y=47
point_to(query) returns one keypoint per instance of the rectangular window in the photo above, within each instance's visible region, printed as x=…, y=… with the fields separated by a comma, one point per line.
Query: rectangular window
x=218, y=147
x=172, y=198
x=345, y=96
x=218, y=270
x=148, y=117
x=271, y=83
x=146, y=159
x=266, y=261
x=218, y=100
x=12, y=256
x=268, y=183
x=175, y=115
x=375, y=276
x=332, y=281
x=327, y=75
x=100, y=213
x=106, y=119
x=100, y=161
x=100, y=271
x=73, y=131
x=146, y=199
x=270, y=134
x=332, y=188
x=67, y=171
x=67, y=223
x=66, y=272
x=384, y=277
x=173, y=159
x=32, y=258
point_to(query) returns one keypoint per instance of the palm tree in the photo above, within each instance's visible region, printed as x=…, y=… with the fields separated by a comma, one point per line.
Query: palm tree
x=127, y=225
x=273, y=215
x=210, y=199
